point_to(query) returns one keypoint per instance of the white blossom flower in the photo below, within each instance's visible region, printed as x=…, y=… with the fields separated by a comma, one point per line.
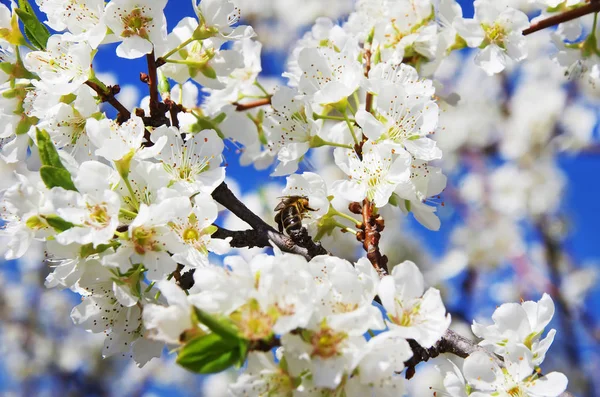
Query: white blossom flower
x=63, y=67
x=329, y=77
x=487, y=378
x=167, y=323
x=289, y=129
x=270, y=298
x=374, y=177
x=83, y=18
x=347, y=294
x=22, y=206
x=498, y=28
x=219, y=16
x=192, y=165
x=93, y=209
x=263, y=376
x=404, y=119
x=325, y=353
x=151, y=239
x=207, y=63
x=114, y=141
x=195, y=232
x=413, y=312
x=521, y=324
x=379, y=365
x=65, y=123
x=140, y=23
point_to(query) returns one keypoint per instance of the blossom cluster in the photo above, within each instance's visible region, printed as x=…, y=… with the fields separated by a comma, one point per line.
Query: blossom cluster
x=126, y=206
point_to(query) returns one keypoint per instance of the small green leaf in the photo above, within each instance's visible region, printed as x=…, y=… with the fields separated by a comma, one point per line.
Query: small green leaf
x=243, y=347
x=212, y=229
x=58, y=223
x=48, y=154
x=88, y=249
x=211, y=363
x=208, y=72
x=219, y=325
x=209, y=354
x=35, y=30
x=56, y=177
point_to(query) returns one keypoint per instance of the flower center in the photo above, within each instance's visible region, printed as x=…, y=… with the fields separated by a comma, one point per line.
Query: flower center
x=326, y=342
x=495, y=34
x=136, y=24
x=143, y=240
x=253, y=323
x=191, y=234
x=99, y=215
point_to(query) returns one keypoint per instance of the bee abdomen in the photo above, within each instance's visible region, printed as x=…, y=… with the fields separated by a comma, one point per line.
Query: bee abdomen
x=291, y=219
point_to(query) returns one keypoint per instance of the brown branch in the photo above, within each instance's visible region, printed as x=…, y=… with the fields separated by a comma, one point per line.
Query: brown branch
x=263, y=234
x=242, y=238
x=554, y=255
x=451, y=343
x=157, y=107
x=109, y=97
x=369, y=234
x=563, y=17
x=152, y=83
x=240, y=107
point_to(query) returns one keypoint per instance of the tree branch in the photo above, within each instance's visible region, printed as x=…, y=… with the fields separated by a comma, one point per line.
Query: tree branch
x=227, y=199
x=451, y=343
x=157, y=107
x=109, y=96
x=262, y=234
x=566, y=16
x=369, y=234
x=240, y=107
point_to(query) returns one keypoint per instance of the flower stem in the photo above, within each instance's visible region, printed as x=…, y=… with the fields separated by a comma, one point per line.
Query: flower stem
x=128, y=213
x=136, y=203
x=327, y=117
x=351, y=127
x=179, y=47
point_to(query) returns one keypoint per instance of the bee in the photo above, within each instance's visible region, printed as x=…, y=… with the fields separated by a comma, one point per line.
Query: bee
x=292, y=210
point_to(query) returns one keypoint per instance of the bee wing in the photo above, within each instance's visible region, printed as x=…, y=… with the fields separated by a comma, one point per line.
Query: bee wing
x=280, y=206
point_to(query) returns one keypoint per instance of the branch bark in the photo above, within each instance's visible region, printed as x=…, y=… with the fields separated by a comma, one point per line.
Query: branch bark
x=566, y=16
x=261, y=234
x=240, y=107
x=109, y=97
x=451, y=343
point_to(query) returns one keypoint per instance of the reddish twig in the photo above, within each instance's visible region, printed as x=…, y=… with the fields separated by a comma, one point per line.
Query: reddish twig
x=109, y=97
x=152, y=83
x=369, y=234
x=157, y=107
x=240, y=107
x=566, y=16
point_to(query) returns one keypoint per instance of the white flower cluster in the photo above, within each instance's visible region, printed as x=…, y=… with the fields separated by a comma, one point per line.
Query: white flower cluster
x=318, y=312
x=516, y=336
x=126, y=206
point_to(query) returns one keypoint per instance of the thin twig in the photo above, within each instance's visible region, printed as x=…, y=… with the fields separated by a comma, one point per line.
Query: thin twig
x=240, y=107
x=563, y=17
x=369, y=235
x=109, y=97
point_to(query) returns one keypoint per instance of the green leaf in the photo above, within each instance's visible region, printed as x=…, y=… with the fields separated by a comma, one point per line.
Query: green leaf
x=209, y=354
x=208, y=72
x=48, y=154
x=35, y=30
x=57, y=177
x=243, y=347
x=221, y=326
x=58, y=223
x=88, y=249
